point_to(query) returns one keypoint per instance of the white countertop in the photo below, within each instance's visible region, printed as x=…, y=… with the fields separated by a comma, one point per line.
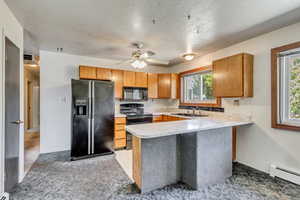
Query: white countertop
x=161, y=129
x=119, y=115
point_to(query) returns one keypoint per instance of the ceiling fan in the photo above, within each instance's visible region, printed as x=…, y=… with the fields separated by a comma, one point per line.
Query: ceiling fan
x=140, y=58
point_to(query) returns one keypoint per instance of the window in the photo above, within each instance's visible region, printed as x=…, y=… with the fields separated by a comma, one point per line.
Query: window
x=286, y=87
x=197, y=87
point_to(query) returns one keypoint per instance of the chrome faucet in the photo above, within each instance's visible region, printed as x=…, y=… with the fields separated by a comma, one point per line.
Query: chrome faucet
x=194, y=111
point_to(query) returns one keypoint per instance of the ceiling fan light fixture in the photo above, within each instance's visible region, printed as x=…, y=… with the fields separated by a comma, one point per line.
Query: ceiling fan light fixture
x=189, y=56
x=139, y=64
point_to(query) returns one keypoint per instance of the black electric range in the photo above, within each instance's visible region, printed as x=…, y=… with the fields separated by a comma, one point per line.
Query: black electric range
x=134, y=115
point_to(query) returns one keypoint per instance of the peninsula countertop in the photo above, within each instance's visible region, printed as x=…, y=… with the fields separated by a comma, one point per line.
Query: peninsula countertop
x=161, y=129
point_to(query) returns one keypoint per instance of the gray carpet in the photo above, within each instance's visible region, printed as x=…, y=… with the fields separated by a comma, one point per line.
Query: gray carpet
x=102, y=178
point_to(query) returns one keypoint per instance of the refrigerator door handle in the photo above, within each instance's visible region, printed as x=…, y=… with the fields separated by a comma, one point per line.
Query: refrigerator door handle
x=89, y=120
x=93, y=117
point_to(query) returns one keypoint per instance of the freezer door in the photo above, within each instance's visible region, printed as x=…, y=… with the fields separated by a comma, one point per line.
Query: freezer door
x=103, y=114
x=81, y=118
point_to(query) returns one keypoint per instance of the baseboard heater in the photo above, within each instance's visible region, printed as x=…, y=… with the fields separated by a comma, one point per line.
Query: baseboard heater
x=287, y=174
x=4, y=196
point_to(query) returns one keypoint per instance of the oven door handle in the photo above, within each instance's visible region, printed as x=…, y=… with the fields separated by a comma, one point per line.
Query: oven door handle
x=145, y=117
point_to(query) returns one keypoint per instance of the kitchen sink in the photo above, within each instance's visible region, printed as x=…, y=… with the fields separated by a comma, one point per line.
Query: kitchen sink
x=190, y=115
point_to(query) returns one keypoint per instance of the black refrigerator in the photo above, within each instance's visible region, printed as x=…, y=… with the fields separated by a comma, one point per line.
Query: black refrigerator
x=92, y=118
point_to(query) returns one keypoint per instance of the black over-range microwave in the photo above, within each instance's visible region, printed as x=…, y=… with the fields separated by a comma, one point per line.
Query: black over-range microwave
x=135, y=94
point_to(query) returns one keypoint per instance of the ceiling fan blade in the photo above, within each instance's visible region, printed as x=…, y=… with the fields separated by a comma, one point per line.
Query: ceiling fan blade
x=152, y=61
x=150, y=53
x=147, y=54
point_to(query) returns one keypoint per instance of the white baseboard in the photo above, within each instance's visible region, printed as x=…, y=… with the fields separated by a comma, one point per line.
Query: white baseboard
x=4, y=196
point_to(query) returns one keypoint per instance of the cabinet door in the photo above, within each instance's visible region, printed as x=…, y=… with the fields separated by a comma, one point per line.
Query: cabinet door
x=158, y=118
x=235, y=78
x=152, y=86
x=129, y=79
x=174, y=86
x=164, y=86
x=117, y=77
x=86, y=72
x=103, y=74
x=228, y=77
x=141, y=79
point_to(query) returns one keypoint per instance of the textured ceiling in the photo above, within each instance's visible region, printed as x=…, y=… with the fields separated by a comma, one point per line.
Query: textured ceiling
x=105, y=28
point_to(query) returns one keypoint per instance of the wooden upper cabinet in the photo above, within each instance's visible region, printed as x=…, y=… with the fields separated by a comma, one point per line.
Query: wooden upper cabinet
x=86, y=72
x=164, y=86
x=233, y=76
x=129, y=79
x=117, y=78
x=152, y=86
x=141, y=79
x=103, y=74
x=174, y=86
x=167, y=86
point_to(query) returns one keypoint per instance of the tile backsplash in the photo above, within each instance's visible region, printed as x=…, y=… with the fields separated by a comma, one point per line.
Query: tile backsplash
x=153, y=105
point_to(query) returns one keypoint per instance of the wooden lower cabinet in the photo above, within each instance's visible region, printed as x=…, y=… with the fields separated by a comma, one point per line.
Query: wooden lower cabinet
x=120, y=133
x=168, y=118
x=120, y=143
x=137, y=161
x=234, y=143
x=158, y=118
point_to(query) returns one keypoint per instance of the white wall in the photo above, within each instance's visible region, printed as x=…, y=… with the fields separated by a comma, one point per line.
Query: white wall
x=12, y=29
x=56, y=72
x=259, y=145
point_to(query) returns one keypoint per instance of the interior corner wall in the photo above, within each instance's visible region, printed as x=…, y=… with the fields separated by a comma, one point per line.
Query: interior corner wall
x=56, y=72
x=11, y=28
x=259, y=145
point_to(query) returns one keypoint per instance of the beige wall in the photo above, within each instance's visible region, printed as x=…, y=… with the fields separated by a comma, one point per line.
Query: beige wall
x=259, y=145
x=11, y=28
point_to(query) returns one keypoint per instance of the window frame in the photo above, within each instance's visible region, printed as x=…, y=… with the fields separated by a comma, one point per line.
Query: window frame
x=276, y=98
x=218, y=100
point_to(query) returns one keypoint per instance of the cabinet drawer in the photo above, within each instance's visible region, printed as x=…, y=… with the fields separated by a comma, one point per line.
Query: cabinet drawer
x=120, y=120
x=120, y=134
x=119, y=127
x=165, y=118
x=120, y=143
x=157, y=118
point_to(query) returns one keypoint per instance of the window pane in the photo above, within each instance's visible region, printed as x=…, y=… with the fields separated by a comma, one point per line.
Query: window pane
x=294, y=87
x=197, y=87
x=207, y=86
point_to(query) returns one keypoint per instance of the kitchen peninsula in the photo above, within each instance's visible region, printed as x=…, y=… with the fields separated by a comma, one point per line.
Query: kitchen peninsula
x=196, y=151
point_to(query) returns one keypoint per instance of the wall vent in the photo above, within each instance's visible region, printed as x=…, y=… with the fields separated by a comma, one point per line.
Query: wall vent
x=4, y=196
x=284, y=173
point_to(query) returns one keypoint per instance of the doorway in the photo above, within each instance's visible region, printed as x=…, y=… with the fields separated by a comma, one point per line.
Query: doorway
x=12, y=115
x=32, y=114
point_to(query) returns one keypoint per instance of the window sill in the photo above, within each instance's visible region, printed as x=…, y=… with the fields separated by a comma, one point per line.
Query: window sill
x=286, y=127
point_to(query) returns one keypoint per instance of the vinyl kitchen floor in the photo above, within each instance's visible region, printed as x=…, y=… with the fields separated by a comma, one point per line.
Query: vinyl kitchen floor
x=102, y=178
x=32, y=148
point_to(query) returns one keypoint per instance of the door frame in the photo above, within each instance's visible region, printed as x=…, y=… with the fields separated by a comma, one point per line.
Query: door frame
x=4, y=35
